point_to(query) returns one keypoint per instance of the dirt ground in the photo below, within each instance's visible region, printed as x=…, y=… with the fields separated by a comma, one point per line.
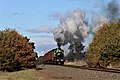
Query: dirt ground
x=55, y=72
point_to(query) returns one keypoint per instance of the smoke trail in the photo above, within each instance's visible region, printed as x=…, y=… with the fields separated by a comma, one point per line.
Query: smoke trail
x=73, y=28
x=112, y=10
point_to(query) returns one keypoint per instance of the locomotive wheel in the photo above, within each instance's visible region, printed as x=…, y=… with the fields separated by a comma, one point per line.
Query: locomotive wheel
x=62, y=63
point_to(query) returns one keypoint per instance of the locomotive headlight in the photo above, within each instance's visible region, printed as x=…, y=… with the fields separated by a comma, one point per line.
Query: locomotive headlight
x=61, y=60
x=58, y=54
x=59, y=50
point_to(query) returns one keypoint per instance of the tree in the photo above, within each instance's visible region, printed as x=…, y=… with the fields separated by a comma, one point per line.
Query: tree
x=16, y=52
x=105, y=47
x=75, y=52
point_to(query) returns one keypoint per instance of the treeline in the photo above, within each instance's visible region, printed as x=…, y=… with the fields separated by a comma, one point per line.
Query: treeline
x=75, y=52
x=16, y=51
x=105, y=47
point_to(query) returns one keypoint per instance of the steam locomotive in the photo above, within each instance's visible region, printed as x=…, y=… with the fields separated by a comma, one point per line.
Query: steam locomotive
x=55, y=56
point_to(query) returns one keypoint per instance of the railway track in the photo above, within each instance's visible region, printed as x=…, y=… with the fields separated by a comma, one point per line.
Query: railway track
x=86, y=68
x=95, y=69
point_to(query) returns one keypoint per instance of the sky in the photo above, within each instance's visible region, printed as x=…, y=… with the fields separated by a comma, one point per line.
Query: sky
x=37, y=19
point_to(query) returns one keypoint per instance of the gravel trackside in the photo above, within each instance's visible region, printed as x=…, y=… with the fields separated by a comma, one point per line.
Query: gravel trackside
x=54, y=72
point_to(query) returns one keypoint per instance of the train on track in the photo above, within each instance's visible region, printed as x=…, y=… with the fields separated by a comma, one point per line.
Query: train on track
x=54, y=56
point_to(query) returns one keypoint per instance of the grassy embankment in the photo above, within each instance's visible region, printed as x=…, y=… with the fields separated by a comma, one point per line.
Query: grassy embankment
x=20, y=75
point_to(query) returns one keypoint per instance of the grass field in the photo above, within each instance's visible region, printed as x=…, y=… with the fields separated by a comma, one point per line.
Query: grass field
x=19, y=75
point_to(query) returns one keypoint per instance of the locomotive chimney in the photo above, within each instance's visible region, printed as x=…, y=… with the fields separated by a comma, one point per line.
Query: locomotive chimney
x=59, y=42
x=59, y=45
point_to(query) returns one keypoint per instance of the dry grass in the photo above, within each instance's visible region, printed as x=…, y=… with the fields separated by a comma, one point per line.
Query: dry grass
x=20, y=75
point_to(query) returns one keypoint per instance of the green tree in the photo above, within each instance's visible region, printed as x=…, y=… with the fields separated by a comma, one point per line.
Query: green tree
x=105, y=47
x=75, y=52
x=16, y=52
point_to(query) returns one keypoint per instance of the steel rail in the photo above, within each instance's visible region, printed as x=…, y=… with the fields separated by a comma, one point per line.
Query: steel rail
x=94, y=69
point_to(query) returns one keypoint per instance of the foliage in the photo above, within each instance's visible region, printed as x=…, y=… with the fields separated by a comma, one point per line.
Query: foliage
x=39, y=60
x=75, y=51
x=15, y=51
x=105, y=47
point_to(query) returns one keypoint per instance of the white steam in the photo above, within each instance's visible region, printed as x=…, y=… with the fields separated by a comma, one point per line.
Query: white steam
x=73, y=28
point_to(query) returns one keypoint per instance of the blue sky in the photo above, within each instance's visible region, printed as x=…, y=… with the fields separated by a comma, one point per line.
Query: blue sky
x=28, y=16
